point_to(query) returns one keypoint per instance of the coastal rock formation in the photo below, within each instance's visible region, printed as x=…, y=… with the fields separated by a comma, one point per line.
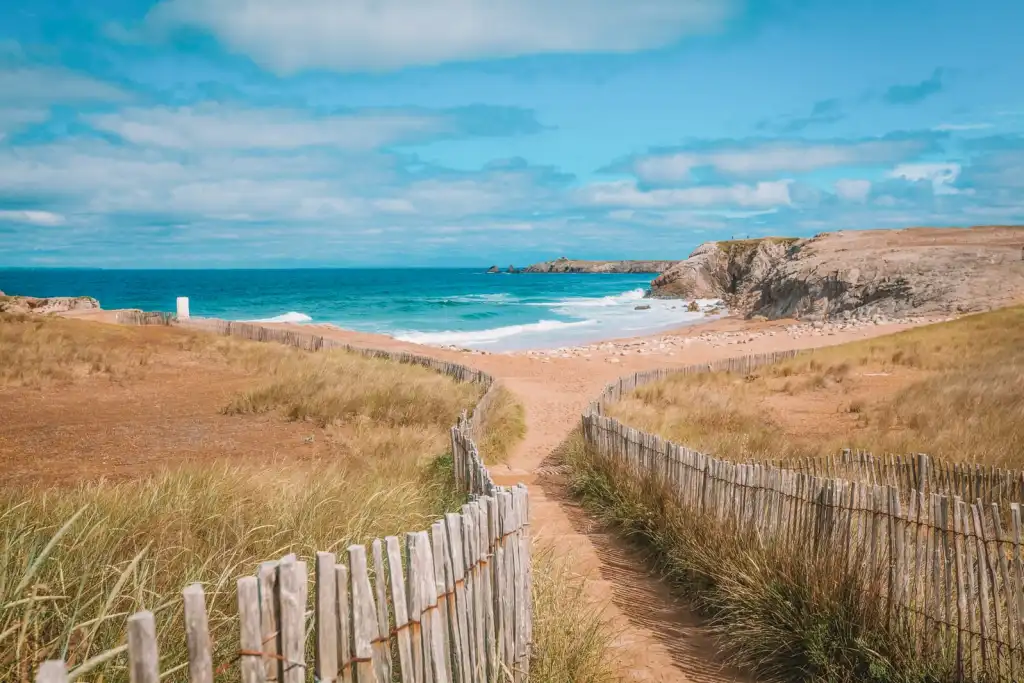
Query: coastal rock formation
x=56, y=304
x=567, y=265
x=866, y=273
x=494, y=269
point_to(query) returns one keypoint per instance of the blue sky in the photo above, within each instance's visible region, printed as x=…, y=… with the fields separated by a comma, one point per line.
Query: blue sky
x=219, y=133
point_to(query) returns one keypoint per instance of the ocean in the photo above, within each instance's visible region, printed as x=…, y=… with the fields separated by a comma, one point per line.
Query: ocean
x=461, y=307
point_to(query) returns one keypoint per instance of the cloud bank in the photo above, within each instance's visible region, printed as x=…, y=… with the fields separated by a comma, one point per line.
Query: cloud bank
x=390, y=34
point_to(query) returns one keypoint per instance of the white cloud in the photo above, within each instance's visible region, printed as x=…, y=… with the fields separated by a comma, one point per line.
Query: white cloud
x=853, y=190
x=227, y=127
x=386, y=34
x=46, y=218
x=314, y=186
x=625, y=193
x=773, y=157
x=94, y=177
x=25, y=86
x=941, y=175
x=953, y=127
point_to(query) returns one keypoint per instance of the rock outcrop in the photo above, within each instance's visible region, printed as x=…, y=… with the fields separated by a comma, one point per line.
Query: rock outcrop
x=55, y=304
x=494, y=269
x=870, y=273
x=567, y=265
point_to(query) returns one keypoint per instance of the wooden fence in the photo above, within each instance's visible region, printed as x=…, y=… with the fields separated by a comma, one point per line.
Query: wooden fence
x=448, y=604
x=136, y=317
x=949, y=569
x=917, y=471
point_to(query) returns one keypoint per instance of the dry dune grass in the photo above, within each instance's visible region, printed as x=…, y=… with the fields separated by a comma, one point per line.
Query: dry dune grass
x=504, y=427
x=117, y=548
x=782, y=612
x=38, y=351
x=88, y=400
x=953, y=390
x=75, y=562
x=324, y=388
x=572, y=642
x=334, y=387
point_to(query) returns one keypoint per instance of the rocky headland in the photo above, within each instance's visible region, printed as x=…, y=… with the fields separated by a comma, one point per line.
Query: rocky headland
x=54, y=304
x=568, y=265
x=859, y=274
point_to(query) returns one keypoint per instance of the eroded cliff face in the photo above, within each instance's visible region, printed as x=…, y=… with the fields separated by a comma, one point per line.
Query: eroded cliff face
x=856, y=274
x=718, y=270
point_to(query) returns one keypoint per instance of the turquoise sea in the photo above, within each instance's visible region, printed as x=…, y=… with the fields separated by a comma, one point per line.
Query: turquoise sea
x=463, y=307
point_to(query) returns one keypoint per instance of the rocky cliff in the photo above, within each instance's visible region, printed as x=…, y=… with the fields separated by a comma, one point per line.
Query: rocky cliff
x=866, y=273
x=55, y=304
x=567, y=265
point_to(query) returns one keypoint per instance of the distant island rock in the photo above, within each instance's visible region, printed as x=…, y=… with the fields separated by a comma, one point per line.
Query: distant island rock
x=567, y=265
x=867, y=273
x=494, y=269
x=54, y=304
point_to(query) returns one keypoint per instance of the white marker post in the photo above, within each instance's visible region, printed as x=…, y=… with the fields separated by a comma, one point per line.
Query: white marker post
x=182, y=308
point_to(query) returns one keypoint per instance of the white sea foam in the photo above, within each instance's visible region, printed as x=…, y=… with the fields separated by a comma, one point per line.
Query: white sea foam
x=480, y=298
x=477, y=338
x=589, y=319
x=630, y=297
x=290, y=317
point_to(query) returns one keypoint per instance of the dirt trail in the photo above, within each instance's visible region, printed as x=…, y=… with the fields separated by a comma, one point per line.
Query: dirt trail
x=659, y=639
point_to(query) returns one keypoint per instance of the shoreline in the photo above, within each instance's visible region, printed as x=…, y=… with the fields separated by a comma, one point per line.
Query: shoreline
x=671, y=345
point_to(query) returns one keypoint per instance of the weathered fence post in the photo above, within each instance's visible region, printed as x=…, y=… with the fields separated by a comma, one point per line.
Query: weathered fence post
x=325, y=618
x=250, y=643
x=197, y=635
x=143, y=657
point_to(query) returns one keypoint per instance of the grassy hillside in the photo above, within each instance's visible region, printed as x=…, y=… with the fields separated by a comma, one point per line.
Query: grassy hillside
x=783, y=609
x=952, y=390
x=76, y=560
x=260, y=450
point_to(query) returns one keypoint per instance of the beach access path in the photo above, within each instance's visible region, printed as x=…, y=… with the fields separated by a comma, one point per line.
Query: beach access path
x=658, y=638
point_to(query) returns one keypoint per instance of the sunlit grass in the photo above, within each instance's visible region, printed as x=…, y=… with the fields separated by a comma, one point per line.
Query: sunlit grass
x=504, y=427
x=134, y=545
x=75, y=562
x=572, y=641
x=782, y=611
x=955, y=393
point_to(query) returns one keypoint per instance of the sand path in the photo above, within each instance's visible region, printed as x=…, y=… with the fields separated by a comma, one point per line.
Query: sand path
x=659, y=638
